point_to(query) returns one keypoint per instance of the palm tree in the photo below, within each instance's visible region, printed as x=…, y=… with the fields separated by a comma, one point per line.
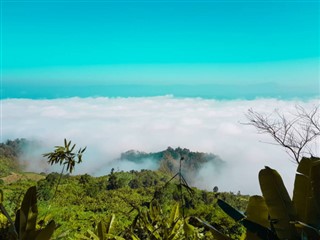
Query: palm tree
x=64, y=155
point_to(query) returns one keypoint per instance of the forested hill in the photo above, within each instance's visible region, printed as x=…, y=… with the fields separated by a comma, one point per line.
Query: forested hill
x=10, y=151
x=13, y=148
x=15, y=155
x=169, y=160
x=79, y=202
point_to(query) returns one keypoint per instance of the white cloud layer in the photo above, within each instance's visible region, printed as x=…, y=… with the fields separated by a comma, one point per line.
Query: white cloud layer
x=109, y=126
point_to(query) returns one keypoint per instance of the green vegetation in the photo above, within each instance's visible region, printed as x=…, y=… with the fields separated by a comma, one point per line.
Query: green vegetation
x=127, y=205
x=83, y=201
x=9, y=156
x=25, y=224
x=275, y=216
x=168, y=160
x=155, y=204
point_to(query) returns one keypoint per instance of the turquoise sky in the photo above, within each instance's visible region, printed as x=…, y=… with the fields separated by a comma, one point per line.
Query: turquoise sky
x=244, y=49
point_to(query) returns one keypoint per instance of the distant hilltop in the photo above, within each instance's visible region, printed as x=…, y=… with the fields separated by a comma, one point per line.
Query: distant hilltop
x=168, y=160
x=13, y=158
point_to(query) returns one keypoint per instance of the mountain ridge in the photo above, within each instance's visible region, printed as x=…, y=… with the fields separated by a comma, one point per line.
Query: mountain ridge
x=168, y=160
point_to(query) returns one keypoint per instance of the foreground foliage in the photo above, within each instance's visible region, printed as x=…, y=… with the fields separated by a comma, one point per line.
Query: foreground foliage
x=275, y=216
x=84, y=203
x=25, y=226
x=154, y=205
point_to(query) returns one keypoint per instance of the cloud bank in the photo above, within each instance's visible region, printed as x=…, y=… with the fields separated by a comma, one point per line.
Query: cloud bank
x=109, y=126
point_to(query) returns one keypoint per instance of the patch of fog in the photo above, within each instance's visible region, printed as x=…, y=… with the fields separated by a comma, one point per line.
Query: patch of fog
x=110, y=126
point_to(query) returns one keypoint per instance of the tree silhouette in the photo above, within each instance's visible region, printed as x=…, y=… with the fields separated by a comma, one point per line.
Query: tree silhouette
x=295, y=132
x=65, y=155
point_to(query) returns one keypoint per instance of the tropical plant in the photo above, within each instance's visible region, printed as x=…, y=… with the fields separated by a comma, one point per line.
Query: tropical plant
x=102, y=232
x=154, y=224
x=25, y=225
x=275, y=216
x=65, y=155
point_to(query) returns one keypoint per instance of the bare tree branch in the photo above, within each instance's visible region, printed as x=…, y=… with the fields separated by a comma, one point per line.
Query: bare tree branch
x=295, y=132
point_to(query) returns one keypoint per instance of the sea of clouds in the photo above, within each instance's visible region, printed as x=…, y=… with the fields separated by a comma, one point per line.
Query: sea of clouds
x=109, y=126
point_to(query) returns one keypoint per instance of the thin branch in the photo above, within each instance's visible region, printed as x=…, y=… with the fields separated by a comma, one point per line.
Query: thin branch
x=294, y=133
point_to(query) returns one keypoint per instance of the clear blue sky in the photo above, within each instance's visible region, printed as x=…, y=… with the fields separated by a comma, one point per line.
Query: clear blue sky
x=165, y=43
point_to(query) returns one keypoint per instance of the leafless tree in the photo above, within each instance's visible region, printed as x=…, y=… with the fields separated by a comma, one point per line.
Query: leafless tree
x=295, y=132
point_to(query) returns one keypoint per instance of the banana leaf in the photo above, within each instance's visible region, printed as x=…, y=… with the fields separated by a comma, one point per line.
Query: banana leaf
x=27, y=220
x=301, y=196
x=258, y=231
x=315, y=184
x=257, y=221
x=215, y=232
x=279, y=204
x=305, y=166
x=307, y=230
x=257, y=211
x=47, y=232
x=232, y=212
x=306, y=195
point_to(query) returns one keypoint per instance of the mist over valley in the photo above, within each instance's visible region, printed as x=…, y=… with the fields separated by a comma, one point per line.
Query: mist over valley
x=109, y=127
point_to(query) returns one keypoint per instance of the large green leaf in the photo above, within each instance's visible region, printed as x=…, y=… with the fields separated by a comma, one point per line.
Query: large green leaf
x=189, y=230
x=257, y=211
x=301, y=196
x=134, y=237
x=12, y=228
x=89, y=236
x=232, y=212
x=1, y=196
x=175, y=231
x=307, y=230
x=102, y=230
x=279, y=203
x=109, y=223
x=28, y=213
x=257, y=221
x=306, y=196
x=305, y=166
x=47, y=232
x=315, y=185
x=215, y=232
x=257, y=231
x=174, y=214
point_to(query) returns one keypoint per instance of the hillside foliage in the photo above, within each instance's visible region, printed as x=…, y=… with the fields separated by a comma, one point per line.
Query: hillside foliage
x=83, y=202
x=10, y=151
